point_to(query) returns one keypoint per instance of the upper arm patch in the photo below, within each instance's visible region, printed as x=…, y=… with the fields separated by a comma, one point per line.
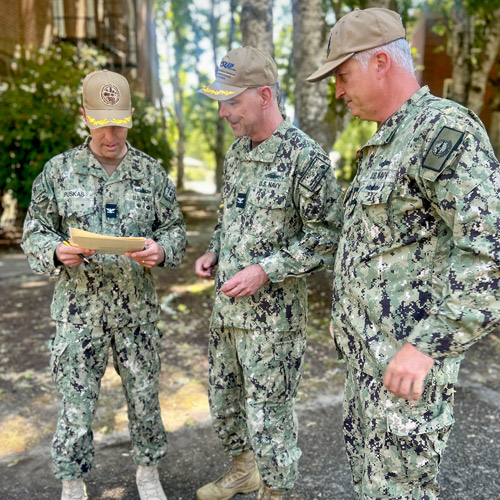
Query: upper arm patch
x=314, y=172
x=442, y=147
x=169, y=192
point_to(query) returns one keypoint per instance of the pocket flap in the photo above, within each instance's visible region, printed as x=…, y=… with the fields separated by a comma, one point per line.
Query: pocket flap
x=408, y=424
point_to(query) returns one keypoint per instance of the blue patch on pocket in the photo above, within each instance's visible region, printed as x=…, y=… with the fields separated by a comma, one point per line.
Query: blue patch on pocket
x=111, y=211
x=241, y=200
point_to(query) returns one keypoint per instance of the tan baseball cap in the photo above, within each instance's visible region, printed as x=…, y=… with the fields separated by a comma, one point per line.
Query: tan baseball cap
x=357, y=31
x=106, y=100
x=240, y=69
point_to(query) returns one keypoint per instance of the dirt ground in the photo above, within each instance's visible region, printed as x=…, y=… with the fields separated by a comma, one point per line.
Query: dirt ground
x=29, y=405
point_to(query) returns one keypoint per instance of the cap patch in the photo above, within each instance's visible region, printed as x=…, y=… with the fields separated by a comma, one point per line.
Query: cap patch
x=443, y=145
x=110, y=95
x=226, y=70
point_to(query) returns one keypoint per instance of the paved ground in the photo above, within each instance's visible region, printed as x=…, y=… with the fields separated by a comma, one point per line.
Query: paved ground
x=28, y=407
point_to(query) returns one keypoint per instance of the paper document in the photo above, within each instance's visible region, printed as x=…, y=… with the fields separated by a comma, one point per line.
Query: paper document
x=105, y=244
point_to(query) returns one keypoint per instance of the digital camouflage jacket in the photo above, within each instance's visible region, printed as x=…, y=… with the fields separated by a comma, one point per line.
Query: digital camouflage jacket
x=418, y=260
x=282, y=210
x=138, y=199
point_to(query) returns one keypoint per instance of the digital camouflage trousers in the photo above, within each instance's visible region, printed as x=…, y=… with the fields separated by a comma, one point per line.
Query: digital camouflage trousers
x=394, y=446
x=253, y=382
x=78, y=361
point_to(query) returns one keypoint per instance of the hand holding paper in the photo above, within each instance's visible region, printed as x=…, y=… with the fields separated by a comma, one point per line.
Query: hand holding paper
x=151, y=256
x=105, y=244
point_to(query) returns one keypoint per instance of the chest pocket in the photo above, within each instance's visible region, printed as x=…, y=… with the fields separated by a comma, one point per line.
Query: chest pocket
x=77, y=211
x=140, y=214
x=265, y=213
x=375, y=216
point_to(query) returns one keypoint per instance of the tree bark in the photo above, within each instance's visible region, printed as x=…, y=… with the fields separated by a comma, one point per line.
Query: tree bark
x=485, y=60
x=310, y=39
x=257, y=24
x=220, y=132
x=181, y=139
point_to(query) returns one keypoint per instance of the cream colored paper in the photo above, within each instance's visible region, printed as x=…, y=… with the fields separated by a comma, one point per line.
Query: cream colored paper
x=105, y=244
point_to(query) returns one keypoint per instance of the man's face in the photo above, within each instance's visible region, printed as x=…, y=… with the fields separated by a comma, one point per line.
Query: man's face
x=357, y=87
x=243, y=113
x=109, y=142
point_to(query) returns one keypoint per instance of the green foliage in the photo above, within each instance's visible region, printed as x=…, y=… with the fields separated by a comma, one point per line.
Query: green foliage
x=39, y=113
x=148, y=133
x=348, y=144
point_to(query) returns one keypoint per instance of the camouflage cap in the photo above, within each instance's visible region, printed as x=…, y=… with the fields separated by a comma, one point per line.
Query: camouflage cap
x=357, y=31
x=240, y=69
x=106, y=100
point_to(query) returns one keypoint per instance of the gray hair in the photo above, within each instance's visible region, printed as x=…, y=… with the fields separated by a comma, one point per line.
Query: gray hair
x=399, y=50
x=272, y=86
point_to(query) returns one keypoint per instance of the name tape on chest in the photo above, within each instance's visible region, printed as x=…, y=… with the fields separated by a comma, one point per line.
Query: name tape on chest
x=442, y=147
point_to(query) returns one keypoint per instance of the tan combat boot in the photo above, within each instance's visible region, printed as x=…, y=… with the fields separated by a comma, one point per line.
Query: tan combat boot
x=266, y=493
x=242, y=477
x=148, y=483
x=73, y=489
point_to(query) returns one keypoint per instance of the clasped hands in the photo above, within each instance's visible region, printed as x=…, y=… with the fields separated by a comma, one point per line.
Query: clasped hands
x=243, y=284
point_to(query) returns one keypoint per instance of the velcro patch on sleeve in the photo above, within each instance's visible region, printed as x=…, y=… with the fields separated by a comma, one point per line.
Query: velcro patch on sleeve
x=442, y=147
x=314, y=172
x=169, y=192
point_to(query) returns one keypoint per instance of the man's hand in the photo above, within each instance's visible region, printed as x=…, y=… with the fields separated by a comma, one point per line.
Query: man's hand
x=204, y=266
x=68, y=255
x=151, y=256
x=406, y=372
x=246, y=282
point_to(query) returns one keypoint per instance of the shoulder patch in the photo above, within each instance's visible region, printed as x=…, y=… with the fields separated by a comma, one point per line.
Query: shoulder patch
x=314, y=172
x=170, y=192
x=441, y=148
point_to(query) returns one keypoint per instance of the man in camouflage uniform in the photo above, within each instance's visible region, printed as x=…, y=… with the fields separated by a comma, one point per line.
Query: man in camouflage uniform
x=280, y=220
x=108, y=187
x=417, y=271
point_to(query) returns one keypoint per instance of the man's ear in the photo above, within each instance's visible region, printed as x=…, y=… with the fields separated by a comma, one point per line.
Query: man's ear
x=266, y=94
x=383, y=62
x=82, y=112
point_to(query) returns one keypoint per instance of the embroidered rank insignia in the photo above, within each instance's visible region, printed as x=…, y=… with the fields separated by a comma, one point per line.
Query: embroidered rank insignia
x=313, y=174
x=241, y=200
x=111, y=211
x=444, y=144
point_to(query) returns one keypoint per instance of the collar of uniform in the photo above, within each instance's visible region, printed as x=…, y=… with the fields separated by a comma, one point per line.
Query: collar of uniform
x=388, y=129
x=85, y=163
x=267, y=150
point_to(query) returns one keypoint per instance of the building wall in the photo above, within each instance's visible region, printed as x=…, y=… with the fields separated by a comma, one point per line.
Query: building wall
x=123, y=29
x=24, y=23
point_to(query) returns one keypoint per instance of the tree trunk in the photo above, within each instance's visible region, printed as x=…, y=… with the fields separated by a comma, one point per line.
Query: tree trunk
x=257, y=24
x=181, y=140
x=310, y=38
x=485, y=60
x=218, y=144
